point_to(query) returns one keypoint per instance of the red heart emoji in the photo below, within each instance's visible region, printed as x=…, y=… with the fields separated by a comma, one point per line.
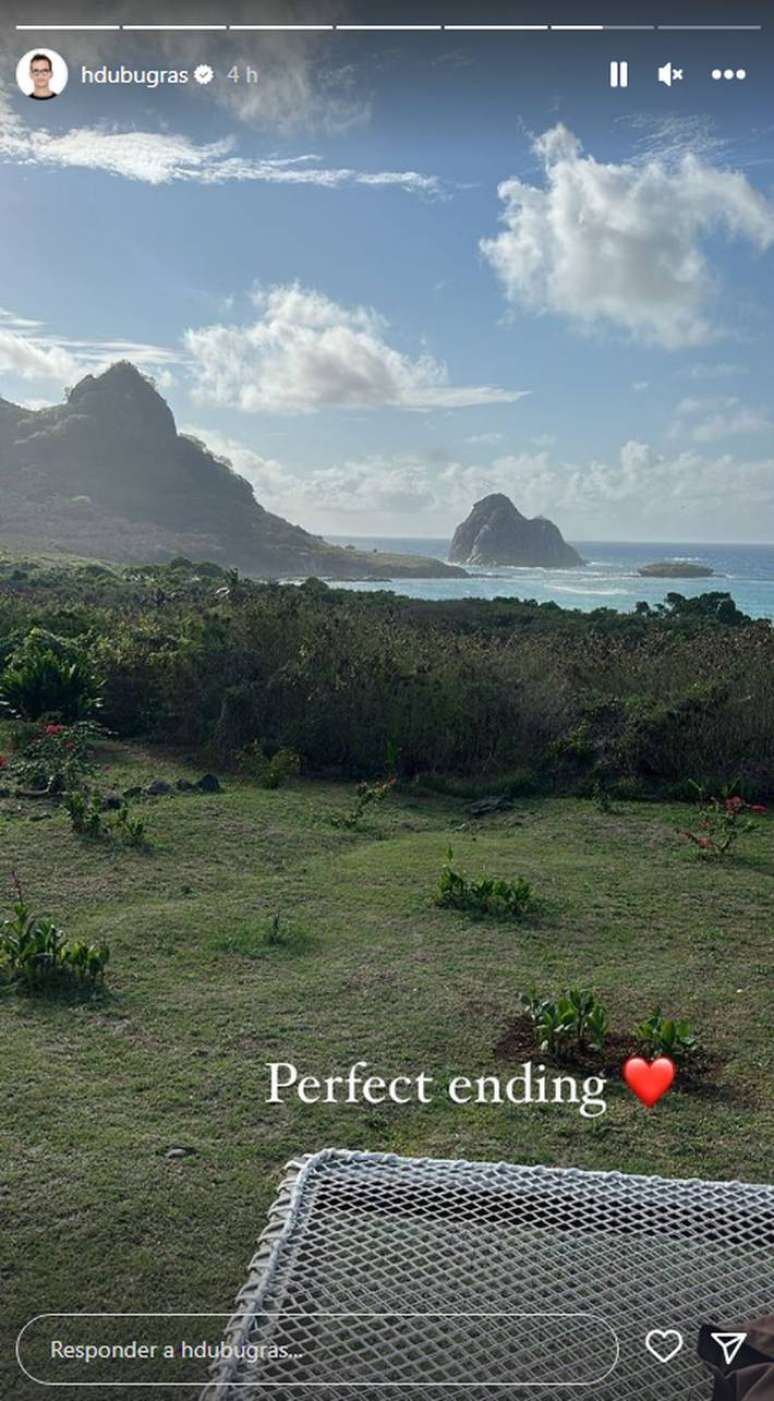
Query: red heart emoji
x=649, y=1080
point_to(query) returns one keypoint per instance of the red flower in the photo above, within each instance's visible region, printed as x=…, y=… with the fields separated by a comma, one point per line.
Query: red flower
x=54, y=729
x=734, y=804
x=705, y=843
x=2, y=761
x=757, y=807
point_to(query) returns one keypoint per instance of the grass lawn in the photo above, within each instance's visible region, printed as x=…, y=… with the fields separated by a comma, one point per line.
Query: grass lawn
x=95, y=1093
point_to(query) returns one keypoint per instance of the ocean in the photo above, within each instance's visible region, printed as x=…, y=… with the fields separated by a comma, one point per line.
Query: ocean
x=609, y=579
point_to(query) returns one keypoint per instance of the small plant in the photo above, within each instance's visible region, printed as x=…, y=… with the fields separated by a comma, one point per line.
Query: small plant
x=275, y=934
x=486, y=895
x=281, y=766
x=575, y=1018
x=552, y=1030
x=85, y=811
x=366, y=795
x=34, y=952
x=721, y=821
x=601, y=798
x=86, y=961
x=88, y=819
x=270, y=773
x=597, y=1028
x=665, y=1036
x=252, y=942
x=129, y=830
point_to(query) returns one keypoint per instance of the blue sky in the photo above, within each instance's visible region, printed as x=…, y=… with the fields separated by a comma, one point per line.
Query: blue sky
x=401, y=271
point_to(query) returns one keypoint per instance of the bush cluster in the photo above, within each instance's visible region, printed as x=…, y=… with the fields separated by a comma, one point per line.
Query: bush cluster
x=576, y=1021
x=35, y=954
x=577, y=702
x=482, y=895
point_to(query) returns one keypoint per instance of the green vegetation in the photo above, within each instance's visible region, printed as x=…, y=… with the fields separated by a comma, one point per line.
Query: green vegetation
x=574, y=1020
x=482, y=895
x=85, y=809
x=270, y=772
x=36, y=956
x=365, y=795
x=259, y=926
x=48, y=675
x=664, y=1036
x=54, y=758
x=569, y=702
x=202, y=994
x=721, y=821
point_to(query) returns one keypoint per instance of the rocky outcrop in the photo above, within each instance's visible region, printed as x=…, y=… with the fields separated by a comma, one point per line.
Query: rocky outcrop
x=107, y=475
x=495, y=532
x=675, y=569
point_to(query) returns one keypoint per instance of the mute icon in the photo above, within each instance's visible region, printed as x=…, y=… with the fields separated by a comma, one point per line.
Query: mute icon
x=669, y=74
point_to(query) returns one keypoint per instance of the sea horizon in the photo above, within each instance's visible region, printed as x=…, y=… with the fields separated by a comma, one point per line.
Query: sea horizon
x=608, y=577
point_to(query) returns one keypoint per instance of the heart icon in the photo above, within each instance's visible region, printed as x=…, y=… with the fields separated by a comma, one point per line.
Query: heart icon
x=649, y=1080
x=664, y=1343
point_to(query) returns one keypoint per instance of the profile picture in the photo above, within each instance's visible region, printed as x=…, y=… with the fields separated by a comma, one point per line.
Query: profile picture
x=41, y=74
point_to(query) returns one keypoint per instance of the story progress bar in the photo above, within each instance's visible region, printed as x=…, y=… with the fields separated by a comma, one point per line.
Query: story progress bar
x=381, y=28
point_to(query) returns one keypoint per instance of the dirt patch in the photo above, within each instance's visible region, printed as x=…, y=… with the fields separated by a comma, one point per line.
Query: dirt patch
x=700, y=1076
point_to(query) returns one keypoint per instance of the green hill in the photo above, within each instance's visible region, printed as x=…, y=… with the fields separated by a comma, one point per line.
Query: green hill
x=107, y=475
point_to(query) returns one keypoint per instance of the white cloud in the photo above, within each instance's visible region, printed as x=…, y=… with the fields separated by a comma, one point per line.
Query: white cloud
x=28, y=350
x=721, y=370
x=159, y=158
x=32, y=358
x=20, y=323
x=642, y=493
x=485, y=439
x=376, y=487
x=306, y=352
x=708, y=420
x=36, y=404
x=639, y=493
x=622, y=245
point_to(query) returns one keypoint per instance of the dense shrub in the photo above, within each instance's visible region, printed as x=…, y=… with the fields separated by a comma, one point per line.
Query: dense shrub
x=629, y=702
x=49, y=676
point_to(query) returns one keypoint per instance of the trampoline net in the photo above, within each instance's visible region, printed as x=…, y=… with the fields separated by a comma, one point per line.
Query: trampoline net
x=388, y=1277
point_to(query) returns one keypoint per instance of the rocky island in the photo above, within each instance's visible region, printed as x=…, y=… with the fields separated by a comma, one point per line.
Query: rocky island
x=106, y=475
x=675, y=569
x=496, y=532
